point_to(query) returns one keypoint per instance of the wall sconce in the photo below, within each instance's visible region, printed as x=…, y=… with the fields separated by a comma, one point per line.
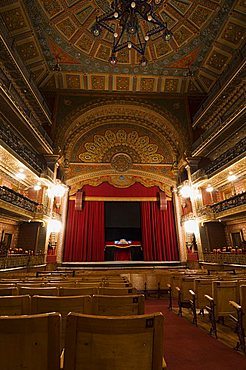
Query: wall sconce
x=54, y=226
x=186, y=191
x=209, y=188
x=231, y=177
x=20, y=175
x=191, y=226
x=56, y=190
x=37, y=187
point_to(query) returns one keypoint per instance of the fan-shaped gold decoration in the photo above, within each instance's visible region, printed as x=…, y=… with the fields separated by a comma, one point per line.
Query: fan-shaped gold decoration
x=97, y=150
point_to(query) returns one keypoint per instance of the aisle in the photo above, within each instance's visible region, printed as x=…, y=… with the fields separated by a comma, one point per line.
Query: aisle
x=187, y=347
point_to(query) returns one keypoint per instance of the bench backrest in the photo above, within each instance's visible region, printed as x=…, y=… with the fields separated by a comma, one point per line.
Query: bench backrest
x=116, y=291
x=15, y=305
x=118, y=305
x=30, y=342
x=222, y=293
x=38, y=290
x=69, y=291
x=111, y=342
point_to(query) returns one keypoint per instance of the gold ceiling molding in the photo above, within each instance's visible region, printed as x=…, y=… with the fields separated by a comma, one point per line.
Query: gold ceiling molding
x=101, y=145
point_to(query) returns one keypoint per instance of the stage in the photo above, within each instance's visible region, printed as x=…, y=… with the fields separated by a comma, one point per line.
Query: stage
x=122, y=265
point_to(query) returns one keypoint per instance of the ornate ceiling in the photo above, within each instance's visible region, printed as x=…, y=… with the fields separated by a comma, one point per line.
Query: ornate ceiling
x=121, y=138
x=207, y=35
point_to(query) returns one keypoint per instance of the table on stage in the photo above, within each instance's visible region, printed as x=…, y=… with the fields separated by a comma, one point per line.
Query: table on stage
x=121, y=250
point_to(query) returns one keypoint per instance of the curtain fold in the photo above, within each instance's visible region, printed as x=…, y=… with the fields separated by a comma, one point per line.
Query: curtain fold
x=84, y=241
x=159, y=239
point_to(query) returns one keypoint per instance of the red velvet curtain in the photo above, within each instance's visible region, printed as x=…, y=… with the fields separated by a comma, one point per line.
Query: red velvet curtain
x=158, y=232
x=84, y=240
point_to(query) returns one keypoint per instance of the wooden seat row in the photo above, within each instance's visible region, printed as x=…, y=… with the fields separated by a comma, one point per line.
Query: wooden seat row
x=96, y=304
x=65, y=290
x=220, y=298
x=91, y=342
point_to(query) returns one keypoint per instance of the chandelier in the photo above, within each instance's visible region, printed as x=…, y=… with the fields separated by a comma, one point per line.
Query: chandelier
x=131, y=23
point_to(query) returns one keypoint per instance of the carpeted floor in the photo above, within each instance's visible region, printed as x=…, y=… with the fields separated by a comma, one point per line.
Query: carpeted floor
x=187, y=347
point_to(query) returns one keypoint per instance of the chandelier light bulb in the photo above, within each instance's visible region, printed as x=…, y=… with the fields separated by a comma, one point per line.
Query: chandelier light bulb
x=129, y=44
x=167, y=35
x=113, y=60
x=116, y=35
x=116, y=15
x=149, y=17
x=143, y=62
x=146, y=38
x=133, y=5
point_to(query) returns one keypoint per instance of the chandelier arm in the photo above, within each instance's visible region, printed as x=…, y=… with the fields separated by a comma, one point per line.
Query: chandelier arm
x=106, y=27
x=116, y=46
x=142, y=45
x=120, y=47
x=156, y=20
x=107, y=17
x=137, y=48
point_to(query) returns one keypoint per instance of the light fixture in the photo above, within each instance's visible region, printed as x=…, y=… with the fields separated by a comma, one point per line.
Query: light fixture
x=131, y=23
x=37, y=187
x=54, y=226
x=56, y=190
x=186, y=191
x=191, y=226
x=209, y=188
x=21, y=175
x=231, y=177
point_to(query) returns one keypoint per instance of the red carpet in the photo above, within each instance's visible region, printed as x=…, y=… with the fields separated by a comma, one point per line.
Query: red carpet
x=187, y=347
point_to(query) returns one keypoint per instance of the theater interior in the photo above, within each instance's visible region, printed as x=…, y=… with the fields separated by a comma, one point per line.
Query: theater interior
x=122, y=165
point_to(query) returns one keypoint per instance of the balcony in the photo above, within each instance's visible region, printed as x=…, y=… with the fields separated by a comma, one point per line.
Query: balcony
x=11, y=196
x=232, y=205
x=36, y=161
x=21, y=261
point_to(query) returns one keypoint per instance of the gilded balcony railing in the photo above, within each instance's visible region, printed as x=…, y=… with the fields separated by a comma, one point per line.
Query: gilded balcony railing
x=224, y=205
x=17, y=199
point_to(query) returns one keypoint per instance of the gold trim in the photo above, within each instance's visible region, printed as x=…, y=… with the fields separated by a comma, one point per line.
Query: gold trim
x=118, y=199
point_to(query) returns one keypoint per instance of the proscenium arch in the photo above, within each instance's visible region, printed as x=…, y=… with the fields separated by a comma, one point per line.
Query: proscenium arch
x=118, y=112
x=87, y=122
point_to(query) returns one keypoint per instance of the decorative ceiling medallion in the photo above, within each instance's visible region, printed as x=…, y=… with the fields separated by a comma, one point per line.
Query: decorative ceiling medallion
x=121, y=181
x=121, y=162
x=102, y=145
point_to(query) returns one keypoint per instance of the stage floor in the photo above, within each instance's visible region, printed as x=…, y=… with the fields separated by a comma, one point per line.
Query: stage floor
x=122, y=265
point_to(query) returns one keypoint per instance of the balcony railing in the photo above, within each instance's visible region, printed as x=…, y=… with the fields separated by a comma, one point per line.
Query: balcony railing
x=11, y=196
x=21, y=261
x=230, y=155
x=224, y=205
x=14, y=142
